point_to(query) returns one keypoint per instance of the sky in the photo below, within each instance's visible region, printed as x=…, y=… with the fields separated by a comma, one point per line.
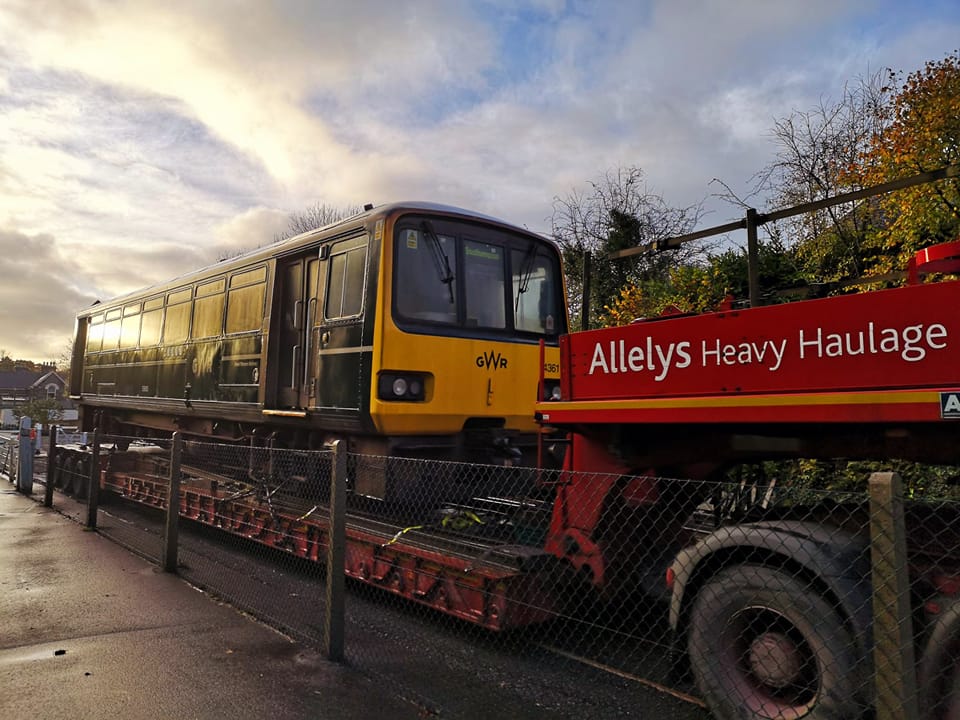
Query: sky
x=140, y=139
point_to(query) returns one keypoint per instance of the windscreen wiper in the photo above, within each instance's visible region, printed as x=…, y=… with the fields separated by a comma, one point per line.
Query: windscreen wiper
x=440, y=258
x=526, y=272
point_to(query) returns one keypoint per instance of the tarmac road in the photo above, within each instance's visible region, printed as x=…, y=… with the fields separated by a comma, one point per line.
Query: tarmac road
x=89, y=630
x=441, y=668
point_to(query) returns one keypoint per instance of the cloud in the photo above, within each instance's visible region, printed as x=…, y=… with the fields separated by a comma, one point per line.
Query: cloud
x=38, y=296
x=247, y=71
x=141, y=139
x=253, y=228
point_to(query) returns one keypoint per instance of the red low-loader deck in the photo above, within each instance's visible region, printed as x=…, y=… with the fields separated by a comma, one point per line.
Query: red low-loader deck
x=492, y=584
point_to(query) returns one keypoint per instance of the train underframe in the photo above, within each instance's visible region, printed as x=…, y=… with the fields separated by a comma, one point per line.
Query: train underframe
x=486, y=581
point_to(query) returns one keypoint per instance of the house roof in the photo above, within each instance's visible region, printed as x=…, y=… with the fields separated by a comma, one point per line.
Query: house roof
x=26, y=379
x=48, y=377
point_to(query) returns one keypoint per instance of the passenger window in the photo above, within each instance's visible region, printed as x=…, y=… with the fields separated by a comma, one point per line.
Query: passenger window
x=95, y=334
x=176, y=321
x=245, y=301
x=150, y=328
x=111, y=330
x=208, y=309
x=207, y=316
x=151, y=321
x=245, y=309
x=345, y=286
x=130, y=327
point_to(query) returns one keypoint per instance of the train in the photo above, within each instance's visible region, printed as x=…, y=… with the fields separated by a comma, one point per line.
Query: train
x=411, y=330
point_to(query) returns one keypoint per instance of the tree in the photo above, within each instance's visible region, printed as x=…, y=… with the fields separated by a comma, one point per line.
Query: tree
x=316, y=216
x=701, y=286
x=65, y=360
x=618, y=212
x=923, y=134
x=818, y=156
x=40, y=411
x=873, y=135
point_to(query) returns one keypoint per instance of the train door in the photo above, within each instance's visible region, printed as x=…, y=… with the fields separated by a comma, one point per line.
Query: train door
x=339, y=380
x=298, y=303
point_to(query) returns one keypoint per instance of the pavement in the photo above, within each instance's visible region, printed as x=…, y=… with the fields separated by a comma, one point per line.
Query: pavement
x=89, y=630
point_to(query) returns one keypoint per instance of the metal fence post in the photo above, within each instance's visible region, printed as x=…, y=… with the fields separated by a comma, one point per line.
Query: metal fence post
x=171, y=526
x=336, y=555
x=585, y=292
x=25, y=460
x=753, y=258
x=51, y=467
x=892, y=619
x=13, y=460
x=93, y=482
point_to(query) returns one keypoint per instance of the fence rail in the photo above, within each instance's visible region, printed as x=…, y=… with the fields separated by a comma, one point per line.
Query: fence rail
x=784, y=601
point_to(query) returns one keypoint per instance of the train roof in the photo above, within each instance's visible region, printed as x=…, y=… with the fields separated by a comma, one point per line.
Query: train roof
x=292, y=244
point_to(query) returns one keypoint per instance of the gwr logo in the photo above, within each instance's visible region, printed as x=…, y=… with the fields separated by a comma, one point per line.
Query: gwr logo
x=491, y=360
x=950, y=405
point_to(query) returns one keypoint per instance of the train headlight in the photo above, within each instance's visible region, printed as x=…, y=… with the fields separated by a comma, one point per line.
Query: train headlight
x=401, y=386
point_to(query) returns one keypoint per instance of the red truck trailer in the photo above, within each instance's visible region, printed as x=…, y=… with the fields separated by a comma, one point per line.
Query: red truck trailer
x=774, y=615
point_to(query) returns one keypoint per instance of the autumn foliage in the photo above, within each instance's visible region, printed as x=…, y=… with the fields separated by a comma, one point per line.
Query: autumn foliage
x=886, y=129
x=922, y=134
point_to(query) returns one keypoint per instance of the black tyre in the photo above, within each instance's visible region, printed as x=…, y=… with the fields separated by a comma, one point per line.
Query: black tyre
x=81, y=479
x=940, y=669
x=59, y=469
x=68, y=473
x=762, y=644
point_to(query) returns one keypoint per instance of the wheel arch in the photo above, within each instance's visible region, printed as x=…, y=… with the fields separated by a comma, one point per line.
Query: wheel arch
x=940, y=652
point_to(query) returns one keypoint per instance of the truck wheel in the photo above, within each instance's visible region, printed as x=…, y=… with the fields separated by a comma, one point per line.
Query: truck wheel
x=764, y=645
x=80, y=479
x=940, y=669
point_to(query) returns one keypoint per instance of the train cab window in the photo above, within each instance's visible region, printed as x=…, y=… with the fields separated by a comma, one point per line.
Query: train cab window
x=426, y=276
x=208, y=309
x=345, y=284
x=245, y=301
x=176, y=320
x=480, y=279
x=483, y=284
x=95, y=334
x=535, y=298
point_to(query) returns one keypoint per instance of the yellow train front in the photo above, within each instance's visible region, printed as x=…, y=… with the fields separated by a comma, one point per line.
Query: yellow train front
x=411, y=330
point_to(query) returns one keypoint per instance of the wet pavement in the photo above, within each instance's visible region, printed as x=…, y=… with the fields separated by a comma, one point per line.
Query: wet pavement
x=90, y=630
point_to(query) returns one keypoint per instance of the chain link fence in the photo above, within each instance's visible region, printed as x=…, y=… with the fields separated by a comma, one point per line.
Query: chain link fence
x=472, y=588
x=9, y=458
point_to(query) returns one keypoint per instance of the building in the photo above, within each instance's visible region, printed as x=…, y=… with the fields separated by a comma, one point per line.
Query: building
x=23, y=384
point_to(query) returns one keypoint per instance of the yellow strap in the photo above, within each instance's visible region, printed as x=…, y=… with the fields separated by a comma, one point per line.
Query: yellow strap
x=396, y=537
